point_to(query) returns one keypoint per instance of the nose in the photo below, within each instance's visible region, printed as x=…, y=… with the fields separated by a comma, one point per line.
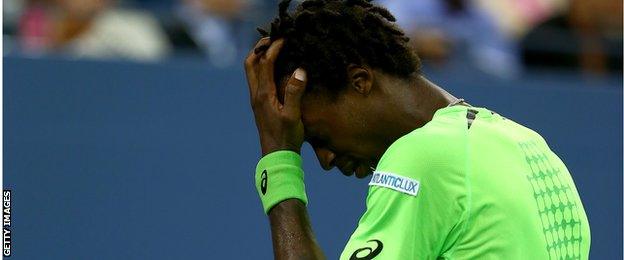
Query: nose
x=325, y=157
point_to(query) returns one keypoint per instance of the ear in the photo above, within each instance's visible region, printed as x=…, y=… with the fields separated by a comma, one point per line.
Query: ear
x=360, y=78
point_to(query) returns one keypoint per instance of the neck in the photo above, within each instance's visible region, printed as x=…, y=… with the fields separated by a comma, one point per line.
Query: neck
x=416, y=103
x=427, y=99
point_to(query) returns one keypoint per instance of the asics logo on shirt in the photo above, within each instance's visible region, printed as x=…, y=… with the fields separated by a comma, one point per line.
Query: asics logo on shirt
x=371, y=252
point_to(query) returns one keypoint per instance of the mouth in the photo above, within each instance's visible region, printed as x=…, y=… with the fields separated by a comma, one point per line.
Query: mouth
x=359, y=169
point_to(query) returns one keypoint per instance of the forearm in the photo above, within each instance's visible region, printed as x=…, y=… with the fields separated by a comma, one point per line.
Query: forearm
x=280, y=185
x=292, y=233
x=279, y=176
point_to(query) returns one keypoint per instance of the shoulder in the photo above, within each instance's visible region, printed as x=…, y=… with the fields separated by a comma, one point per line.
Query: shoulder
x=439, y=146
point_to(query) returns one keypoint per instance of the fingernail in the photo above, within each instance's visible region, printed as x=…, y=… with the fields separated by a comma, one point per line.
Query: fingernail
x=300, y=74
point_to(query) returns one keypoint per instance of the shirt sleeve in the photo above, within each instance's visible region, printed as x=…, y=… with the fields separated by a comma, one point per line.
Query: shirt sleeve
x=416, y=202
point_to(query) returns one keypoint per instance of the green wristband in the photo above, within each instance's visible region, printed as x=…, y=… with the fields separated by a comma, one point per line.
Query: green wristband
x=279, y=177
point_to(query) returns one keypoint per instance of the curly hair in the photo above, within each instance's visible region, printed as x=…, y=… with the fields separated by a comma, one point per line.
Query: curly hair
x=325, y=36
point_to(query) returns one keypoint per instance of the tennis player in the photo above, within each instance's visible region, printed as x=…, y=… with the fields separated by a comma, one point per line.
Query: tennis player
x=447, y=180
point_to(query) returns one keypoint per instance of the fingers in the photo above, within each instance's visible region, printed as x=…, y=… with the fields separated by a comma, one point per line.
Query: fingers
x=273, y=51
x=254, y=55
x=262, y=45
x=267, y=61
x=251, y=68
x=267, y=88
x=264, y=41
x=257, y=51
x=294, y=92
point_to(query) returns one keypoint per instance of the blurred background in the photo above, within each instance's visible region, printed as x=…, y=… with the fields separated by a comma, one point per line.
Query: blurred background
x=501, y=38
x=128, y=134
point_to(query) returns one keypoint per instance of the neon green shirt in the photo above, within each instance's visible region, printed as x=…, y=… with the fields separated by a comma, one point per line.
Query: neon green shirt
x=471, y=184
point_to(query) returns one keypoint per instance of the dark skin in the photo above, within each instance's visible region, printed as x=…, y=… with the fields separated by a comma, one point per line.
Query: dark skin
x=350, y=131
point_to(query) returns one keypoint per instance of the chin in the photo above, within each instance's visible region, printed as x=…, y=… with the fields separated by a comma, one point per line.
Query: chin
x=362, y=171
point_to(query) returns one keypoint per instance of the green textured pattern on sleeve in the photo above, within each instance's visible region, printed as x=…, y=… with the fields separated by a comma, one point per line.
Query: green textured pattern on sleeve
x=279, y=177
x=488, y=188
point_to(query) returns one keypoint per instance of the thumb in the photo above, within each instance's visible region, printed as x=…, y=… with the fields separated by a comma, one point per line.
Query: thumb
x=294, y=91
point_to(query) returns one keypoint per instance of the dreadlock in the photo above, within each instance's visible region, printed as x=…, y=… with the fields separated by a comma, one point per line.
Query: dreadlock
x=325, y=36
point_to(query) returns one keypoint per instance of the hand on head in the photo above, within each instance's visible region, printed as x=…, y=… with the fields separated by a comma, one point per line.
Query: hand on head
x=279, y=125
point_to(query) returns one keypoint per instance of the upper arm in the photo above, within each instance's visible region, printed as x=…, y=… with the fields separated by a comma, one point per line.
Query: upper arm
x=408, y=225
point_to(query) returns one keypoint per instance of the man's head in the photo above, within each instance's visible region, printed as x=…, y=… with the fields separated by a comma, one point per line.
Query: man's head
x=353, y=54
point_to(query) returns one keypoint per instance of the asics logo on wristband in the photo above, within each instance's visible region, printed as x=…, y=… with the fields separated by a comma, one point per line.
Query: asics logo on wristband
x=263, y=182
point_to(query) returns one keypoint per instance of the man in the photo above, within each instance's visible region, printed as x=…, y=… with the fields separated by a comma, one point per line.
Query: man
x=448, y=181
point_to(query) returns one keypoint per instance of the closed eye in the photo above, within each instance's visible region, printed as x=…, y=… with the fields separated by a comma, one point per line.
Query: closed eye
x=317, y=141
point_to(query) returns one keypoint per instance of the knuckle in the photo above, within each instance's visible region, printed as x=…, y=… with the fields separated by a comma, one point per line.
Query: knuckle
x=262, y=61
x=262, y=41
x=289, y=118
x=285, y=117
x=249, y=66
x=249, y=59
x=272, y=58
x=262, y=95
x=257, y=103
x=291, y=89
x=266, y=60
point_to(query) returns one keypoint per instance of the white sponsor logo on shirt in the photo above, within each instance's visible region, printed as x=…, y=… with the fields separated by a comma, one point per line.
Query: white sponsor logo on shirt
x=395, y=182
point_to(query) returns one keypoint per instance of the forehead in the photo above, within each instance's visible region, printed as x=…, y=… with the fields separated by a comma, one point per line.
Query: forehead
x=318, y=108
x=316, y=113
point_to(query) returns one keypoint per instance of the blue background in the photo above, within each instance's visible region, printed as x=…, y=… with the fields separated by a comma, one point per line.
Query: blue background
x=113, y=160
